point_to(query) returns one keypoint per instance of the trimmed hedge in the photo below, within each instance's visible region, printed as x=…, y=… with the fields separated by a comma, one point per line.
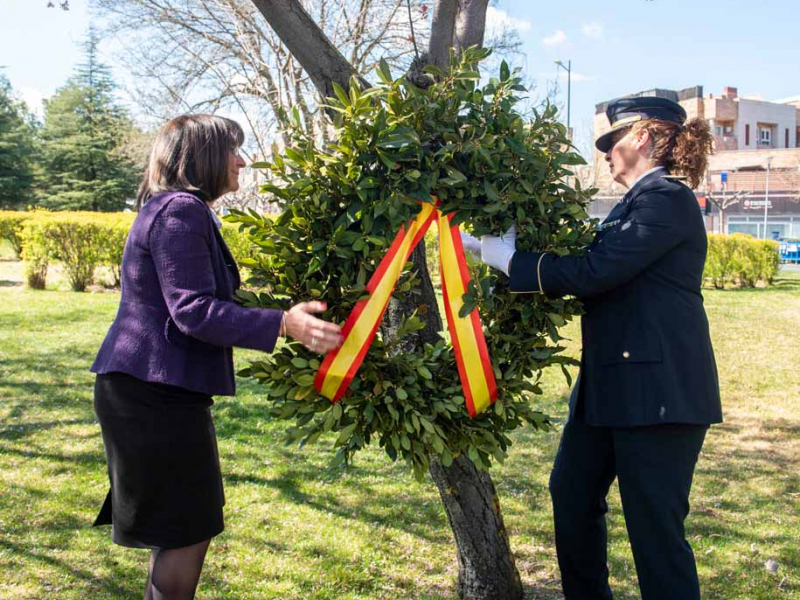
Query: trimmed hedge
x=738, y=259
x=81, y=242
x=11, y=222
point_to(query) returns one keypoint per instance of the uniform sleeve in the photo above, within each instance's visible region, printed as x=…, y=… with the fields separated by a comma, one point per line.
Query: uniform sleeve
x=652, y=228
x=181, y=249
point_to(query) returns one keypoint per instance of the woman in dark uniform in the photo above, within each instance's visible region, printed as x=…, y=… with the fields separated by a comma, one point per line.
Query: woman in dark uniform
x=648, y=388
x=169, y=351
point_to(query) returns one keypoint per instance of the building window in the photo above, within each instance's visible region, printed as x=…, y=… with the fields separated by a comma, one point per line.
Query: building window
x=747, y=135
x=786, y=143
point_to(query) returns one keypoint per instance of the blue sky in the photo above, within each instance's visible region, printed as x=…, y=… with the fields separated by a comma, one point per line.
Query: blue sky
x=616, y=47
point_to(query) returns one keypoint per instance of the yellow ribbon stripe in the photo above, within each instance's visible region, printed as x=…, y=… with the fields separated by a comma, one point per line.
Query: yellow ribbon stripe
x=474, y=367
x=340, y=365
x=469, y=345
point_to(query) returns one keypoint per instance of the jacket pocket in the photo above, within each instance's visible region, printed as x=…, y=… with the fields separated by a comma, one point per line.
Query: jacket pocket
x=176, y=337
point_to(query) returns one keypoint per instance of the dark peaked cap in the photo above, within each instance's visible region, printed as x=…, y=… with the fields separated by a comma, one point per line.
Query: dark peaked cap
x=626, y=111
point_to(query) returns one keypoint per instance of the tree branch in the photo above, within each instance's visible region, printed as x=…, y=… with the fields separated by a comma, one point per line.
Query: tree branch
x=308, y=44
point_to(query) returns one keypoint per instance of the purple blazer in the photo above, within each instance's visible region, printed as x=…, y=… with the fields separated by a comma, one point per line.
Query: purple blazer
x=177, y=320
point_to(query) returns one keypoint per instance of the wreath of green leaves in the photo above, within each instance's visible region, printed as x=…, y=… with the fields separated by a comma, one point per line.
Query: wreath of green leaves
x=397, y=145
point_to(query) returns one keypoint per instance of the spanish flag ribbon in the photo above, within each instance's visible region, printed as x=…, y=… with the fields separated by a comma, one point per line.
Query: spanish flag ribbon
x=472, y=356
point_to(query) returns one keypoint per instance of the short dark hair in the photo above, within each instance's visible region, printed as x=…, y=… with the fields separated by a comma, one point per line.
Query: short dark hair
x=190, y=154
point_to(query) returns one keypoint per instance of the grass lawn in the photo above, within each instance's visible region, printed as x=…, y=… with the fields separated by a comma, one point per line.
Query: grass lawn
x=298, y=530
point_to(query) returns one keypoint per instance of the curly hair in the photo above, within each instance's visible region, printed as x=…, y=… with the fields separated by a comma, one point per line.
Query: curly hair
x=682, y=149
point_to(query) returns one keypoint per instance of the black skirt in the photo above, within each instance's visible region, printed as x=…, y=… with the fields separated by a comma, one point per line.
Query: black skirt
x=163, y=463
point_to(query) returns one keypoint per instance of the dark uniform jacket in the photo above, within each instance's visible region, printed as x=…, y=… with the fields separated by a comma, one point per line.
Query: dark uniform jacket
x=647, y=356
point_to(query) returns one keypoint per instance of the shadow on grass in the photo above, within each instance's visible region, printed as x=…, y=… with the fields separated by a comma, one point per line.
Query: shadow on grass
x=754, y=451
x=780, y=285
x=16, y=432
x=107, y=584
x=368, y=504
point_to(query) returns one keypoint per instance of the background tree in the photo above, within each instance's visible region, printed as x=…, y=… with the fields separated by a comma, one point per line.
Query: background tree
x=420, y=363
x=210, y=55
x=85, y=164
x=18, y=150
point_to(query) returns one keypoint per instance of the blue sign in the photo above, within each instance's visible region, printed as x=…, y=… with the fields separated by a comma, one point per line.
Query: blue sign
x=724, y=176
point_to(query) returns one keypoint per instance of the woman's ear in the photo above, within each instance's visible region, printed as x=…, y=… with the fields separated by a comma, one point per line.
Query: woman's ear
x=643, y=138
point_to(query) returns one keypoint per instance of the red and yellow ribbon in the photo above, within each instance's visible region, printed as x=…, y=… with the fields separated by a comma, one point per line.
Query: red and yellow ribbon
x=469, y=345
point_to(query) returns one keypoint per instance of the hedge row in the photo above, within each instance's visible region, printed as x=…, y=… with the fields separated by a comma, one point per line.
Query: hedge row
x=81, y=242
x=741, y=260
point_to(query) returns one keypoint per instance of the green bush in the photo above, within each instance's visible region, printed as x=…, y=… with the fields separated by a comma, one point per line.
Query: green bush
x=238, y=242
x=114, y=228
x=37, y=250
x=11, y=222
x=80, y=241
x=738, y=259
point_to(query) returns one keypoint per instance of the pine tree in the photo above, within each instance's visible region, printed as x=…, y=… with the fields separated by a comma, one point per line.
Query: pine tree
x=17, y=150
x=84, y=129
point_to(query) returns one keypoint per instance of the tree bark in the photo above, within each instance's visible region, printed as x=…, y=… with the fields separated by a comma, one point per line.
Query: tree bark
x=470, y=24
x=443, y=28
x=486, y=569
x=486, y=565
x=308, y=44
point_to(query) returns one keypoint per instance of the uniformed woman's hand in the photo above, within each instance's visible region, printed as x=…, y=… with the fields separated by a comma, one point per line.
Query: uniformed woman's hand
x=496, y=251
x=315, y=334
x=471, y=244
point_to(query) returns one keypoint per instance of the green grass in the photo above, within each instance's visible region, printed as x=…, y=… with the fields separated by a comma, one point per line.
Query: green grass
x=297, y=529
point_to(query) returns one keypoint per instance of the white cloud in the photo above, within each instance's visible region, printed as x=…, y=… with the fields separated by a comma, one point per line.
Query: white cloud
x=34, y=99
x=592, y=30
x=499, y=20
x=558, y=38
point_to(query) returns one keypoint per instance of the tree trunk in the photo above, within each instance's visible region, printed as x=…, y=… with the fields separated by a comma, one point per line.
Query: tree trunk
x=486, y=569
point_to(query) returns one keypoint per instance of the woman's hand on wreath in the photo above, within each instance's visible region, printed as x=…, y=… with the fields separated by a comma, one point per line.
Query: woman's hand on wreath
x=315, y=334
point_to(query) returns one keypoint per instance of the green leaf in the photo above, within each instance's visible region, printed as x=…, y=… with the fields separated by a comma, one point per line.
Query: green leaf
x=422, y=370
x=384, y=72
x=300, y=363
x=341, y=94
x=345, y=434
x=305, y=380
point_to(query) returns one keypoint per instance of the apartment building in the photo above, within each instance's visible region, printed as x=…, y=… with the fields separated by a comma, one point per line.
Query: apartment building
x=756, y=164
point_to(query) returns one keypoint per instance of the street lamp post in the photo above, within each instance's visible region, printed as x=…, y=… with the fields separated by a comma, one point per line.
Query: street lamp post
x=766, y=199
x=568, y=69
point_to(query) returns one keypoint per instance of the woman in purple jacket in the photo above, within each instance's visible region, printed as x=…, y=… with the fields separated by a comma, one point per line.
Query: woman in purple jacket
x=169, y=351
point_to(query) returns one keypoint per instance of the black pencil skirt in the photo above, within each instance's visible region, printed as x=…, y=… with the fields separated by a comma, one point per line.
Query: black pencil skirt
x=163, y=464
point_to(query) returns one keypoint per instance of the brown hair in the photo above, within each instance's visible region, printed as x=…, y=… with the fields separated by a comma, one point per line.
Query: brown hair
x=682, y=149
x=191, y=154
